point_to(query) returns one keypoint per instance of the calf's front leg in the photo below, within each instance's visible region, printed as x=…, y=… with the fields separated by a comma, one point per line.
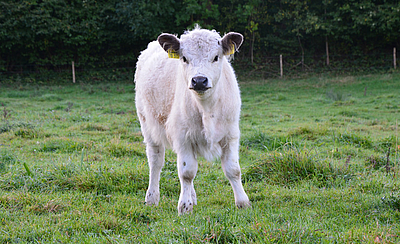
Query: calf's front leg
x=155, y=156
x=187, y=169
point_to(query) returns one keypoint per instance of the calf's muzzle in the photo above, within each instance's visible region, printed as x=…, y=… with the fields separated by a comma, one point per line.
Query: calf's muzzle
x=199, y=84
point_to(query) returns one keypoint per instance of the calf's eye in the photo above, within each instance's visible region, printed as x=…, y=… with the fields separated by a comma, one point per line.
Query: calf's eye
x=215, y=59
x=185, y=59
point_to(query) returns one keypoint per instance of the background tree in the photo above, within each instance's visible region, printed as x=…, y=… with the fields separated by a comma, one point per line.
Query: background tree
x=55, y=32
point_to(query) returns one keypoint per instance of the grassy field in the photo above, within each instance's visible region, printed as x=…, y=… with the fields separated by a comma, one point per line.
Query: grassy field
x=314, y=155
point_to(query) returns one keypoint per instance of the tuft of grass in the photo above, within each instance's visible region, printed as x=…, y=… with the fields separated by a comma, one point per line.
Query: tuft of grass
x=279, y=97
x=32, y=204
x=58, y=107
x=80, y=117
x=308, y=132
x=102, y=179
x=290, y=166
x=355, y=139
x=63, y=145
x=336, y=96
x=261, y=141
x=118, y=148
x=6, y=158
x=388, y=142
x=50, y=98
x=95, y=127
x=26, y=133
x=52, y=206
x=17, y=94
x=393, y=201
x=348, y=113
x=8, y=126
x=380, y=163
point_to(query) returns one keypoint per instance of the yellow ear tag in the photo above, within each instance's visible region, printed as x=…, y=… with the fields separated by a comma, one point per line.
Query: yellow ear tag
x=172, y=54
x=232, y=49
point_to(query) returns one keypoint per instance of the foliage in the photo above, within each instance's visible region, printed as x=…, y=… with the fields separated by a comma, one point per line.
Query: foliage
x=53, y=33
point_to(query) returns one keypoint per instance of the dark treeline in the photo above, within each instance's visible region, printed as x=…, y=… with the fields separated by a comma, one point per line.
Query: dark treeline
x=55, y=32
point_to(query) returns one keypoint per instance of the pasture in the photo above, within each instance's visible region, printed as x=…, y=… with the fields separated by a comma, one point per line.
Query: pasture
x=319, y=156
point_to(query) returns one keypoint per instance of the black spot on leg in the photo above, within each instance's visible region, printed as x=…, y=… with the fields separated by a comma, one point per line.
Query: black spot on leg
x=188, y=178
x=237, y=174
x=233, y=174
x=184, y=163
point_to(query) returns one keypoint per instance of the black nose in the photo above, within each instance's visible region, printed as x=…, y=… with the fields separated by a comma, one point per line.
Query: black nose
x=199, y=83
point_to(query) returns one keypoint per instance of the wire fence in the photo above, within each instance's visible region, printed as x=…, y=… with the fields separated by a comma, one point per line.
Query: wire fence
x=60, y=73
x=293, y=66
x=265, y=67
x=66, y=67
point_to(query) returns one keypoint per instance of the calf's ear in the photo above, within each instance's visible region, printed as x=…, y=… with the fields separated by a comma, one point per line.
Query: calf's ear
x=168, y=41
x=231, y=42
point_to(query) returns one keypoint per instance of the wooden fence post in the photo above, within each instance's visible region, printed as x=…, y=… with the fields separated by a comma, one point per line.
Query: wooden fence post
x=281, y=64
x=327, y=50
x=73, y=71
x=394, y=58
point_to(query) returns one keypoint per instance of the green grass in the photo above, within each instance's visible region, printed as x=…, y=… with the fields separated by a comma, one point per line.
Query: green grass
x=313, y=154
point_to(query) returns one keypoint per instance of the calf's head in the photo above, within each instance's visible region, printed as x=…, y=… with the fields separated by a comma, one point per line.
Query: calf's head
x=201, y=53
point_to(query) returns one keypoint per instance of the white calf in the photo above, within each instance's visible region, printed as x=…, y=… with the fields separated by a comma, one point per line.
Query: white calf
x=189, y=99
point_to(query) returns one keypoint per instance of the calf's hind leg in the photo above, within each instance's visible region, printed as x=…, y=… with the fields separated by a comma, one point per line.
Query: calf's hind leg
x=155, y=156
x=231, y=168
